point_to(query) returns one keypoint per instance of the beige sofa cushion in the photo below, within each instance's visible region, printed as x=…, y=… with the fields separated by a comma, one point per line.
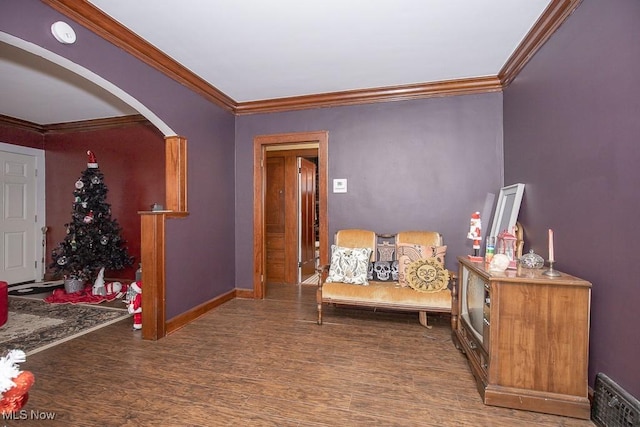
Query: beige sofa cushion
x=386, y=294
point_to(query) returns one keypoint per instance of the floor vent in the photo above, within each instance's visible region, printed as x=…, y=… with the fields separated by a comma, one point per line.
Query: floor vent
x=613, y=406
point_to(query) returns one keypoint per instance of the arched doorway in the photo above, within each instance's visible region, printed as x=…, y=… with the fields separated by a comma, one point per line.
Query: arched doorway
x=175, y=151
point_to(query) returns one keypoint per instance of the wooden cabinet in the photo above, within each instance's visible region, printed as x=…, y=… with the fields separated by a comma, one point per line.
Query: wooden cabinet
x=526, y=336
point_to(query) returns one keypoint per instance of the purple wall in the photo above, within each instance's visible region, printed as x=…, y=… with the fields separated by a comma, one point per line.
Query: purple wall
x=199, y=247
x=571, y=131
x=424, y=164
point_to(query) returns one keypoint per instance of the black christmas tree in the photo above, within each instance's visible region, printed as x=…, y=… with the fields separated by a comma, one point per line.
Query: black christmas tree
x=93, y=238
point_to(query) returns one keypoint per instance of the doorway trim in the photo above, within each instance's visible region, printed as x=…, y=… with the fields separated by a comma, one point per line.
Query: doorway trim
x=260, y=143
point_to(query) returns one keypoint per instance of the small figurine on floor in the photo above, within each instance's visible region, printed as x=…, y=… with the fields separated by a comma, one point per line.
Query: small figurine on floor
x=135, y=305
x=98, y=286
x=14, y=383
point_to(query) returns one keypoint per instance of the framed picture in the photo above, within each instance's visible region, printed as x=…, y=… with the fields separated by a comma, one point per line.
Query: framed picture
x=507, y=209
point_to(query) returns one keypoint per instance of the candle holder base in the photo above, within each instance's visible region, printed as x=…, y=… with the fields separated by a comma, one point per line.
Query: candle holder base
x=551, y=272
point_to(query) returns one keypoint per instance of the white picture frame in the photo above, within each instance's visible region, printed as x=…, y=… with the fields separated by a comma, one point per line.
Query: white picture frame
x=507, y=209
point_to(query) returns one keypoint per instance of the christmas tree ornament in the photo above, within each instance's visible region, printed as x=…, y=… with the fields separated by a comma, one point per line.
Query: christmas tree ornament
x=95, y=180
x=62, y=260
x=79, y=184
x=77, y=199
x=104, y=240
x=88, y=218
x=74, y=244
x=92, y=163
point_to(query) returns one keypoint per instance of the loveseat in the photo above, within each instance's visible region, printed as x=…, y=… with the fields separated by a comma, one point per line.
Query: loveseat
x=421, y=283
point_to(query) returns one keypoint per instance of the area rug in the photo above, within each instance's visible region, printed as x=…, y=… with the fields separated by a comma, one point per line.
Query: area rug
x=33, y=287
x=34, y=325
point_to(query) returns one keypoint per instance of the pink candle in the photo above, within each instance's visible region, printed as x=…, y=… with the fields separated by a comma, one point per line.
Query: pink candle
x=551, y=258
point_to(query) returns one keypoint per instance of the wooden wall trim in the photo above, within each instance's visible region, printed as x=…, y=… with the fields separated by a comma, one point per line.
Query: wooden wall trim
x=176, y=173
x=21, y=124
x=79, y=126
x=554, y=15
x=97, y=124
x=244, y=293
x=102, y=24
x=183, y=319
x=366, y=96
x=259, y=233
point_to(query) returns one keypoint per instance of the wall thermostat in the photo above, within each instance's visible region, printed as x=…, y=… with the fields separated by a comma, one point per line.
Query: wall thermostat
x=340, y=185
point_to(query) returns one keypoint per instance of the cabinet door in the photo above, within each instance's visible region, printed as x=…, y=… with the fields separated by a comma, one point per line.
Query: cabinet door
x=542, y=337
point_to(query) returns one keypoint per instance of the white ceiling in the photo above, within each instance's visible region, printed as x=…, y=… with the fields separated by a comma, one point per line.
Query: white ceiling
x=254, y=50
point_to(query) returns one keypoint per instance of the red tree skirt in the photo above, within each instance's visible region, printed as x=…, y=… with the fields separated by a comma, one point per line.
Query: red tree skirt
x=60, y=296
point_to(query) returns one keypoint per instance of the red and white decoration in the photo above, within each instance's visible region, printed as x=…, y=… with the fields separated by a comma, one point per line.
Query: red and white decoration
x=135, y=305
x=92, y=163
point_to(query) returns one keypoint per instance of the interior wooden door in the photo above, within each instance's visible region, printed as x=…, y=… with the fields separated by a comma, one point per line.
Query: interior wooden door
x=307, y=218
x=275, y=219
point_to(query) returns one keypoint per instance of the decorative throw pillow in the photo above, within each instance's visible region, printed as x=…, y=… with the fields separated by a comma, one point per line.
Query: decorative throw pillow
x=427, y=275
x=349, y=265
x=407, y=253
x=386, y=250
x=383, y=271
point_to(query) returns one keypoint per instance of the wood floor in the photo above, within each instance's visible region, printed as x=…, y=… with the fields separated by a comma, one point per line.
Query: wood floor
x=266, y=363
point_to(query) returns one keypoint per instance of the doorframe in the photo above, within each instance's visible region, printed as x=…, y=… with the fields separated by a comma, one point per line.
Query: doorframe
x=40, y=196
x=260, y=143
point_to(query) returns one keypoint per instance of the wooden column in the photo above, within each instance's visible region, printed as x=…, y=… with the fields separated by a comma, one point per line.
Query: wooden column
x=153, y=242
x=176, y=173
x=153, y=275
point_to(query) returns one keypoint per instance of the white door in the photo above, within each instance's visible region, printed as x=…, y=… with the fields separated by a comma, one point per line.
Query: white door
x=17, y=218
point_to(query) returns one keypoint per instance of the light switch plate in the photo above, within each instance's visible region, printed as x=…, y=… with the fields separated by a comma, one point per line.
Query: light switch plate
x=340, y=185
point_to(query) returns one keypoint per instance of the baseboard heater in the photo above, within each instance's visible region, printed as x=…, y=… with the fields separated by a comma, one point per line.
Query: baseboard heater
x=613, y=406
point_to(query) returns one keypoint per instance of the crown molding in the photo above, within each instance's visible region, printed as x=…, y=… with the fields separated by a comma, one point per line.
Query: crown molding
x=96, y=124
x=21, y=124
x=97, y=21
x=100, y=23
x=554, y=15
x=79, y=126
x=367, y=96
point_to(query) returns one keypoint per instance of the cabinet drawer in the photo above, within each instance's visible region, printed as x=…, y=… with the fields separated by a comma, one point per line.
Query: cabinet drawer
x=475, y=352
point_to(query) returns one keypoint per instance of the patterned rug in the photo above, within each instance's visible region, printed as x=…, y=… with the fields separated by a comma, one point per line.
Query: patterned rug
x=32, y=287
x=34, y=325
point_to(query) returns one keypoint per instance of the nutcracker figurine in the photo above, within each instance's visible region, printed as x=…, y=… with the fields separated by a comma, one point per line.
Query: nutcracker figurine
x=475, y=234
x=135, y=305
